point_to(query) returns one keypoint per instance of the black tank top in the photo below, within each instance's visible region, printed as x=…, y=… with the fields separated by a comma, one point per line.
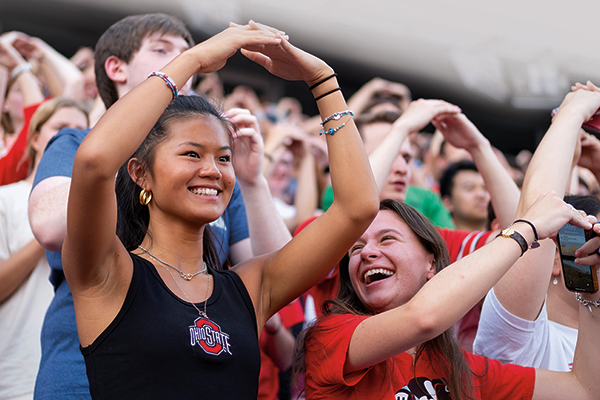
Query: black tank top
x=158, y=347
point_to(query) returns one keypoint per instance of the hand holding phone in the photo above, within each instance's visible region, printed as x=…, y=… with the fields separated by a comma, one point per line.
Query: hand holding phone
x=578, y=278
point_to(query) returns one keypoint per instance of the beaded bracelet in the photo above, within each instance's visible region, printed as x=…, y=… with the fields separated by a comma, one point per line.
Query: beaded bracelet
x=587, y=303
x=170, y=83
x=327, y=94
x=331, y=131
x=336, y=116
x=322, y=81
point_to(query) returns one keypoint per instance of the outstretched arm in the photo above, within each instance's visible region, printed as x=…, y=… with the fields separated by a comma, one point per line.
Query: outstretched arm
x=458, y=287
x=582, y=381
x=418, y=114
x=61, y=75
x=94, y=260
x=310, y=255
x=268, y=231
x=523, y=289
x=460, y=132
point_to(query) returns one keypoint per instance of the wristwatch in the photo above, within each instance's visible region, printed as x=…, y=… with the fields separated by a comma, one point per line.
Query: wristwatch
x=511, y=233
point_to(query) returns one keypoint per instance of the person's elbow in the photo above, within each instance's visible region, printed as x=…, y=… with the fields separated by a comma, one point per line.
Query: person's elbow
x=48, y=212
x=48, y=233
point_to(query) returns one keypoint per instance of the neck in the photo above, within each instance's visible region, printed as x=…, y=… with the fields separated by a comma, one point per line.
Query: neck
x=561, y=305
x=469, y=225
x=182, y=249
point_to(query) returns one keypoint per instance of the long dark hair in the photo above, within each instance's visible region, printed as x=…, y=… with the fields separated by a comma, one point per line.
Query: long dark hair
x=132, y=217
x=443, y=351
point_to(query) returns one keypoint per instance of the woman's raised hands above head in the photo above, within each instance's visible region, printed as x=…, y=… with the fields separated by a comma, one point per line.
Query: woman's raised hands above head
x=213, y=53
x=287, y=61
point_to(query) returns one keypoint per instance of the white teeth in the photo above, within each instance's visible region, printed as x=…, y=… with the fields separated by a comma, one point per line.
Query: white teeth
x=205, y=192
x=377, y=271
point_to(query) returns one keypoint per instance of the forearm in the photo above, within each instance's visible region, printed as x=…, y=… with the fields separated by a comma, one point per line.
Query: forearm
x=550, y=165
x=382, y=158
x=522, y=291
x=268, y=232
x=62, y=76
x=351, y=176
x=107, y=146
x=460, y=286
x=30, y=88
x=503, y=190
x=17, y=268
x=280, y=346
x=306, y=198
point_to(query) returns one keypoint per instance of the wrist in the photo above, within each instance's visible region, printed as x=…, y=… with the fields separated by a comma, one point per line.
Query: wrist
x=20, y=69
x=320, y=76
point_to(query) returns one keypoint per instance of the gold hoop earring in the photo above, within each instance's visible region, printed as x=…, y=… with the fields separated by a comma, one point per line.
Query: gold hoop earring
x=145, y=197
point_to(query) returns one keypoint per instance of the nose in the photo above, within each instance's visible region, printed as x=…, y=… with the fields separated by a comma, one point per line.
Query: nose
x=369, y=252
x=210, y=169
x=400, y=167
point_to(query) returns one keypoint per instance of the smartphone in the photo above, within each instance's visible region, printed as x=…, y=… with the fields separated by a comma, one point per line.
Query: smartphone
x=578, y=278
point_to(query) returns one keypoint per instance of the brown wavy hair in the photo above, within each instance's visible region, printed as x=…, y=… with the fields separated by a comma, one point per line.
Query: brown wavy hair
x=444, y=352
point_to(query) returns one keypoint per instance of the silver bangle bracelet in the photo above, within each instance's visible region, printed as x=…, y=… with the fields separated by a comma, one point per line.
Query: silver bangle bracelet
x=19, y=69
x=587, y=303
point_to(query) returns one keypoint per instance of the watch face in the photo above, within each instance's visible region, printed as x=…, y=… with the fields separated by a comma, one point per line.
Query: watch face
x=508, y=232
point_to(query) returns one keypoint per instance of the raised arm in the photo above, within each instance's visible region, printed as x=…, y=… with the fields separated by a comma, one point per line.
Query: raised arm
x=62, y=77
x=94, y=260
x=582, y=381
x=268, y=231
x=418, y=115
x=523, y=289
x=460, y=132
x=310, y=255
x=452, y=292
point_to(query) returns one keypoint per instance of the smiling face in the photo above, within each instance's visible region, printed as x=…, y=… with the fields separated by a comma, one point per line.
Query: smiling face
x=192, y=176
x=388, y=264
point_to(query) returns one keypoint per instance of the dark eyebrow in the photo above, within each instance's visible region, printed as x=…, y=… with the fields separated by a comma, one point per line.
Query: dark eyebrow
x=196, y=144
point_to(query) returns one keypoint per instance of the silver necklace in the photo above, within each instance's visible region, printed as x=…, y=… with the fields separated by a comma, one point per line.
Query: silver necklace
x=201, y=313
x=187, y=277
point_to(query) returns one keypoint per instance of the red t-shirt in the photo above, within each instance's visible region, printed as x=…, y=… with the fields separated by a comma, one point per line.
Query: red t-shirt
x=13, y=167
x=395, y=378
x=268, y=381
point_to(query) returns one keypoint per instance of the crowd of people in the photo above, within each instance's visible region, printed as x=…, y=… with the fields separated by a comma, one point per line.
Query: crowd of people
x=161, y=238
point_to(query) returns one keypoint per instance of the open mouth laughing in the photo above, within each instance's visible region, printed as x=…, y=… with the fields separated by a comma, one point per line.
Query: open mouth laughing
x=377, y=274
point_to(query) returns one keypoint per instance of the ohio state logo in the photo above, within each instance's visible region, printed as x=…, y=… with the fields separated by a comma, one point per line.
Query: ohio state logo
x=208, y=335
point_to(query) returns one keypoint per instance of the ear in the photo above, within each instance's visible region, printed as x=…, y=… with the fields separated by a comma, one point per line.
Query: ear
x=35, y=142
x=557, y=267
x=447, y=203
x=431, y=269
x=137, y=173
x=116, y=69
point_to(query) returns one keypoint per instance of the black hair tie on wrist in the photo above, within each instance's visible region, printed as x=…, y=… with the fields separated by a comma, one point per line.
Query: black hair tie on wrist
x=322, y=81
x=535, y=234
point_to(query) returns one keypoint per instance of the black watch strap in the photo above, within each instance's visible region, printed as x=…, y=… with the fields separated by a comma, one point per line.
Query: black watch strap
x=511, y=233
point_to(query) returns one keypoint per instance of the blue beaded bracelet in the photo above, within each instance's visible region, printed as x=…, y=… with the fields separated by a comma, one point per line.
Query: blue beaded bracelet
x=331, y=131
x=170, y=82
